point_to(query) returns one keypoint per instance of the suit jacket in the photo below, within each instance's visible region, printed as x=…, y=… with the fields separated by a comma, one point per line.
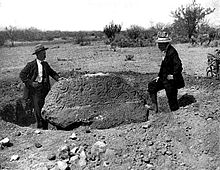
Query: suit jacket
x=172, y=65
x=30, y=72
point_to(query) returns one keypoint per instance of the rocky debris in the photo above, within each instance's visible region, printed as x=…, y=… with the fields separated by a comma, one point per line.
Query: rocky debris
x=51, y=156
x=98, y=148
x=62, y=165
x=38, y=145
x=97, y=100
x=82, y=158
x=147, y=125
x=14, y=158
x=18, y=133
x=73, y=136
x=5, y=141
x=64, y=152
x=37, y=132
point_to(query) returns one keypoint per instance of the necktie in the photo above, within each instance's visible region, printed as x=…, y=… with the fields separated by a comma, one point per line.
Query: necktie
x=43, y=71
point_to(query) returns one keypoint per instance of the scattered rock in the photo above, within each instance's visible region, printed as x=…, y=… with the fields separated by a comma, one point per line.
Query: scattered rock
x=51, y=156
x=73, y=136
x=82, y=158
x=74, y=158
x=147, y=125
x=62, y=165
x=98, y=147
x=14, y=158
x=109, y=154
x=64, y=152
x=150, y=143
x=150, y=166
x=37, y=131
x=5, y=141
x=18, y=133
x=38, y=145
x=106, y=163
x=74, y=151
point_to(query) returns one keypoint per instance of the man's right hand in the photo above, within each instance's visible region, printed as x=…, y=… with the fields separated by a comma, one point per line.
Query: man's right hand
x=156, y=79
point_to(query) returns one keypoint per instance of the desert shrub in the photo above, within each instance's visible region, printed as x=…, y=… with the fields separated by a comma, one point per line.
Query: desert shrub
x=135, y=32
x=2, y=38
x=85, y=43
x=82, y=39
x=111, y=30
x=124, y=41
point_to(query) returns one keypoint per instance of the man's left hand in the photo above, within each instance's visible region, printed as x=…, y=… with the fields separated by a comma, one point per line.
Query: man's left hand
x=170, y=77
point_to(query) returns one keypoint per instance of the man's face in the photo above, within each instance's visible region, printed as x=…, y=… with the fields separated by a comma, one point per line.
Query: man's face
x=162, y=46
x=41, y=55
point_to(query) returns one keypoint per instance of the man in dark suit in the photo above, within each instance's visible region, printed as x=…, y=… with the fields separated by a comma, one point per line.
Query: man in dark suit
x=35, y=76
x=170, y=75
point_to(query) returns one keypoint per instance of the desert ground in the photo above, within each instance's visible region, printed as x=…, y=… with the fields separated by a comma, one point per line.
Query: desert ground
x=187, y=139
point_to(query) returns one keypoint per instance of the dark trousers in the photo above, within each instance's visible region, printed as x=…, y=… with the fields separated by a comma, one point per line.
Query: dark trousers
x=38, y=98
x=171, y=92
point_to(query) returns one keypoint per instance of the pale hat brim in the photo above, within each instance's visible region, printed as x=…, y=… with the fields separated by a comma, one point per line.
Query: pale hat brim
x=163, y=40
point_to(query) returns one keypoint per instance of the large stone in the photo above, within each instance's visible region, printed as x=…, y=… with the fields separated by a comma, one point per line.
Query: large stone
x=98, y=100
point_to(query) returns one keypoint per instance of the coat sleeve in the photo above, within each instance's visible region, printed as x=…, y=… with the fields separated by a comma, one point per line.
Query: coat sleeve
x=177, y=69
x=53, y=73
x=24, y=75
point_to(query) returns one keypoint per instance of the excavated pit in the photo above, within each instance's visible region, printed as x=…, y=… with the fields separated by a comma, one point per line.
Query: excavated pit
x=130, y=104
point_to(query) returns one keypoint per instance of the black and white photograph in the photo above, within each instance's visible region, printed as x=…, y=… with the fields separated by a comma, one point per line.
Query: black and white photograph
x=109, y=85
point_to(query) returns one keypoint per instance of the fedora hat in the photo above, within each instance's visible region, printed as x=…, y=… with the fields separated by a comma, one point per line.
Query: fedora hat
x=163, y=37
x=38, y=48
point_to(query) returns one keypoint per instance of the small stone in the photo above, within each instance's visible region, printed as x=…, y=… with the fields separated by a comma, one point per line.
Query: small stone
x=62, y=165
x=82, y=160
x=38, y=145
x=146, y=126
x=218, y=168
x=98, y=147
x=109, y=154
x=74, y=158
x=64, y=152
x=37, y=132
x=88, y=131
x=73, y=136
x=168, y=139
x=17, y=133
x=106, y=163
x=51, y=156
x=74, y=150
x=209, y=119
x=5, y=141
x=14, y=158
x=168, y=152
x=150, y=166
x=150, y=143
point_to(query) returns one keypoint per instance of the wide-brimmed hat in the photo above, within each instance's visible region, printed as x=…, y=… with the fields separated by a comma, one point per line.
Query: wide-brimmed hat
x=163, y=37
x=38, y=48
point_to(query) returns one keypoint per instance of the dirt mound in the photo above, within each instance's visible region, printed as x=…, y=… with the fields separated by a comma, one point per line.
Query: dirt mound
x=99, y=100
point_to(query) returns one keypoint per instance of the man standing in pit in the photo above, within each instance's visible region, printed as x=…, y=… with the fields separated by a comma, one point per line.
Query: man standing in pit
x=35, y=76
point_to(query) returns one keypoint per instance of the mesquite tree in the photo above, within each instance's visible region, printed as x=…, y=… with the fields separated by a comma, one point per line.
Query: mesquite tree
x=186, y=19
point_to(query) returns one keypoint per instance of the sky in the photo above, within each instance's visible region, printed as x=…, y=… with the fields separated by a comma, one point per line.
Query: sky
x=93, y=15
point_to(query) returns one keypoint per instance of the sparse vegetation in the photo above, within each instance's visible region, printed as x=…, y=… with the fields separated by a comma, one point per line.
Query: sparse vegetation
x=111, y=30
